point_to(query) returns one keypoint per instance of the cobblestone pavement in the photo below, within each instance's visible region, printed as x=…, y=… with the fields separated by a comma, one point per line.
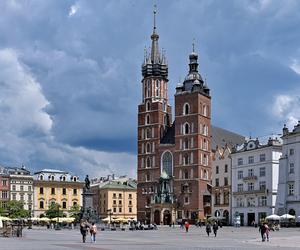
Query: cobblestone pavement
x=164, y=238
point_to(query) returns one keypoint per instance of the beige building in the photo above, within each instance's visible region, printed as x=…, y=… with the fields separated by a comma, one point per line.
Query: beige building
x=115, y=199
x=56, y=186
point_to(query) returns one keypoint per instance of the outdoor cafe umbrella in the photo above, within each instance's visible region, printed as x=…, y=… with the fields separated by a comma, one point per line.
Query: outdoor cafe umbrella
x=287, y=216
x=273, y=217
x=63, y=219
x=4, y=218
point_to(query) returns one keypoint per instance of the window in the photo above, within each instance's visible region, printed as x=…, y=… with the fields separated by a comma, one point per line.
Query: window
x=186, y=109
x=167, y=164
x=64, y=191
x=52, y=191
x=115, y=209
x=29, y=188
x=157, y=88
x=205, y=174
x=148, y=106
x=74, y=203
x=262, y=201
x=225, y=181
x=240, y=187
x=41, y=204
x=226, y=198
x=147, y=120
x=217, y=169
x=148, y=162
x=4, y=182
x=41, y=190
x=41, y=177
x=13, y=187
x=130, y=196
x=204, y=144
x=22, y=197
x=292, y=168
x=240, y=161
x=120, y=210
x=292, y=151
x=262, y=172
x=130, y=210
x=251, y=202
x=250, y=172
x=186, y=159
x=240, y=174
x=21, y=188
x=217, y=182
x=186, y=143
x=240, y=202
x=148, y=148
x=130, y=203
x=74, y=191
x=63, y=178
x=186, y=128
x=291, y=189
x=148, y=133
x=147, y=176
x=205, y=130
x=186, y=174
x=262, y=157
x=262, y=185
x=114, y=196
x=250, y=159
x=114, y=202
x=186, y=200
x=205, y=160
x=204, y=110
x=226, y=168
x=29, y=197
x=14, y=197
x=218, y=199
x=120, y=202
x=64, y=205
x=250, y=186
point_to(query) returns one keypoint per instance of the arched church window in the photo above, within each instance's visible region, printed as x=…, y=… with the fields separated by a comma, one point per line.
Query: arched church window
x=147, y=120
x=167, y=164
x=148, y=106
x=186, y=128
x=186, y=159
x=204, y=110
x=186, y=174
x=205, y=175
x=186, y=143
x=186, y=109
x=148, y=88
x=148, y=162
x=157, y=88
x=148, y=133
x=148, y=148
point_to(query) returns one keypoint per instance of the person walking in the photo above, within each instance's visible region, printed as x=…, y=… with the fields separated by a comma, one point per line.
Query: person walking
x=186, y=225
x=267, y=231
x=215, y=228
x=94, y=232
x=208, y=229
x=83, y=230
x=262, y=230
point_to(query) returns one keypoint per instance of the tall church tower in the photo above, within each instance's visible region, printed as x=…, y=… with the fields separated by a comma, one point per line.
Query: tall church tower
x=154, y=118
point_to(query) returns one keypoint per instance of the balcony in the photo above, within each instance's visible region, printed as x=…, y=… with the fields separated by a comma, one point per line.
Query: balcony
x=257, y=191
x=250, y=178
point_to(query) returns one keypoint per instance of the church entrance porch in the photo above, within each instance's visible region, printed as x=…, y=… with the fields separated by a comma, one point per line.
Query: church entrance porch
x=157, y=217
x=167, y=217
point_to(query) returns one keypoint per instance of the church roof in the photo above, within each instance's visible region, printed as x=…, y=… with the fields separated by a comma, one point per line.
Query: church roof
x=169, y=136
x=220, y=137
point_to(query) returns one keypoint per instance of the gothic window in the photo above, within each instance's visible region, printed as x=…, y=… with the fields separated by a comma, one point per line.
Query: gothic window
x=148, y=133
x=157, y=88
x=148, y=162
x=186, y=174
x=186, y=109
x=205, y=160
x=204, y=110
x=167, y=164
x=186, y=128
x=186, y=143
x=148, y=89
x=148, y=148
x=186, y=159
x=148, y=106
x=204, y=144
x=205, y=175
x=147, y=120
x=205, y=130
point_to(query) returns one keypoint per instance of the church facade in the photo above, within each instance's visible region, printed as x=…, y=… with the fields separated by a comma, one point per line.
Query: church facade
x=174, y=156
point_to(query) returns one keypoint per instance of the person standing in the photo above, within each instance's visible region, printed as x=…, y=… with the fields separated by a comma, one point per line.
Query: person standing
x=186, y=225
x=83, y=230
x=215, y=228
x=267, y=231
x=94, y=231
x=262, y=230
x=208, y=229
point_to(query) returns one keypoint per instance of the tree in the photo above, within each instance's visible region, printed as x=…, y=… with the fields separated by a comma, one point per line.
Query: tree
x=54, y=211
x=16, y=210
x=75, y=212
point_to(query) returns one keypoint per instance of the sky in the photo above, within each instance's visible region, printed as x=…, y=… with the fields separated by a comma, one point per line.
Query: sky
x=70, y=74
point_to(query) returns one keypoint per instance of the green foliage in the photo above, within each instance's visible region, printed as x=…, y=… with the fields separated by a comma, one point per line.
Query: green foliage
x=16, y=209
x=54, y=211
x=2, y=211
x=75, y=212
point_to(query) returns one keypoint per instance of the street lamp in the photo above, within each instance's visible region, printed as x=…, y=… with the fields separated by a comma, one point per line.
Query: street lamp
x=110, y=214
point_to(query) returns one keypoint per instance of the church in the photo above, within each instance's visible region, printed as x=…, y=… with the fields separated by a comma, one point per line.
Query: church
x=174, y=156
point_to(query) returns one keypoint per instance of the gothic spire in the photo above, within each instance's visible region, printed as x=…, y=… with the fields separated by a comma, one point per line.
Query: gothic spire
x=155, y=55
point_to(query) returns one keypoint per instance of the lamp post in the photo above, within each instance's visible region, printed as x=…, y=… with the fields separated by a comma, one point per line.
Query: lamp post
x=110, y=214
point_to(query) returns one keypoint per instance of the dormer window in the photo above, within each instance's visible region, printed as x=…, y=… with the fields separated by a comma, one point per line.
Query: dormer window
x=64, y=178
x=74, y=178
x=52, y=178
x=41, y=177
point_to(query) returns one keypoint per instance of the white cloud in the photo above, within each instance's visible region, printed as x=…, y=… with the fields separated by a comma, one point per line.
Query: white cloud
x=73, y=9
x=286, y=108
x=295, y=66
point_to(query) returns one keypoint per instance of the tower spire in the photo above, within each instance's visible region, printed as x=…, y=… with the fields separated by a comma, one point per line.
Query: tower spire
x=154, y=17
x=155, y=55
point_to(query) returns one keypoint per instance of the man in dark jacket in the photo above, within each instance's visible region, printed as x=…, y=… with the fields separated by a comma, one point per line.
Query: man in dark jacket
x=215, y=228
x=262, y=230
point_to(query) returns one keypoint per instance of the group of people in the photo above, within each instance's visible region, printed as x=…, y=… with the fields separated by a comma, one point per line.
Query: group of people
x=215, y=228
x=85, y=227
x=264, y=231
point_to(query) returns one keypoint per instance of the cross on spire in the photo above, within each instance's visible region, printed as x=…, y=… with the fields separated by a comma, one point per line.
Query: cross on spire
x=193, y=44
x=154, y=16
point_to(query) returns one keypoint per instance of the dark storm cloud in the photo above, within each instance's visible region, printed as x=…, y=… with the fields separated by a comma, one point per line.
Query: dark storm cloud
x=86, y=58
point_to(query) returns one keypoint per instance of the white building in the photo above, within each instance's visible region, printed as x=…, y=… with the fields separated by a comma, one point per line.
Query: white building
x=288, y=197
x=255, y=169
x=221, y=182
x=21, y=186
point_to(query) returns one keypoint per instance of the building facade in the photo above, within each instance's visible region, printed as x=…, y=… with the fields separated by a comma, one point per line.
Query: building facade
x=21, y=186
x=221, y=183
x=4, y=189
x=116, y=199
x=255, y=169
x=56, y=186
x=174, y=160
x=288, y=197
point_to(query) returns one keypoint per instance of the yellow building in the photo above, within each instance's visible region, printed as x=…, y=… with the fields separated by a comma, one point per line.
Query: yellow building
x=116, y=199
x=56, y=186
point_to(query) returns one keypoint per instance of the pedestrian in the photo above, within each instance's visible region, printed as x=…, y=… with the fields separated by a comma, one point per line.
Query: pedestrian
x=94, y=231
x=83, y=230
x=208, y=229
x=186, y=225
x=267, y=231
x=262, y=230
x=215, y=228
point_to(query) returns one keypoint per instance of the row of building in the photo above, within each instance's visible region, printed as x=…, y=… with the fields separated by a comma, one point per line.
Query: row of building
x=188, y=169
x=112, y=196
